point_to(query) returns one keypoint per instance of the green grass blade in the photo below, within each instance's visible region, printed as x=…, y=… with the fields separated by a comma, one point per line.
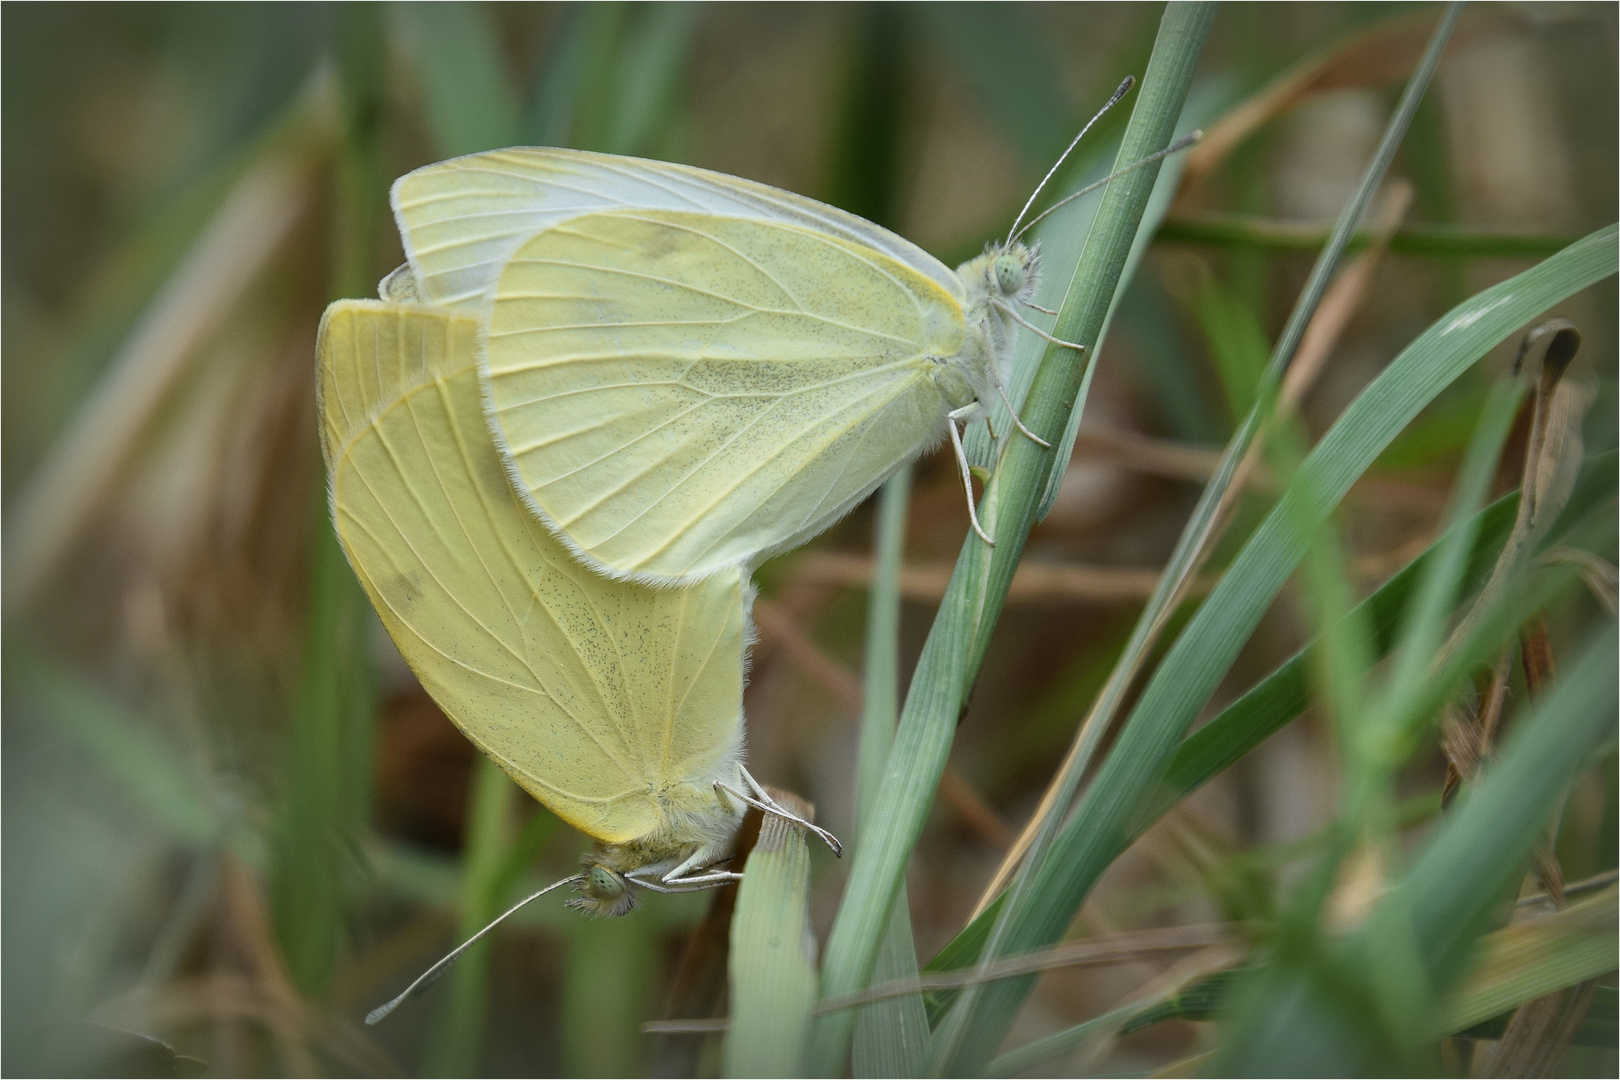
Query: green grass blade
x=881, y=694
x=1375, y=1009
x=326, y=798
x=891, y=1036
x=1526, y=960
x=458, y=1032
x=986, y=42
x=121, y=743
x=1204, y=652
x=1236, y=343
x=652, y=67
x=979, y=585
x=1424, y=629
x=605, y=992
x=773, y=974
x=469, y=103
x=328, y=768
x=1059, y=382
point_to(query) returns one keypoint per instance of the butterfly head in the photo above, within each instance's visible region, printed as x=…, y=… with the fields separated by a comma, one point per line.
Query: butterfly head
x=1013, y=271
x=604, y=893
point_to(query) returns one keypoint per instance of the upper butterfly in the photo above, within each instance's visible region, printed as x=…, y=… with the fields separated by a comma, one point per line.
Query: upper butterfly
x=686, y=371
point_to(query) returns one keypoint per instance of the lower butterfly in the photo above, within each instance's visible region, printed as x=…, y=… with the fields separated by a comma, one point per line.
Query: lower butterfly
x=617, y=706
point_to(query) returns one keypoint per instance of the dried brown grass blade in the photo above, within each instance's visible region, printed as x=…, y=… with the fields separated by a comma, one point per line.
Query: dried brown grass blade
x=1385, y=52
x=1601, y=577
x=1552, y=458
x=1540, y=1030
x=1119, y=948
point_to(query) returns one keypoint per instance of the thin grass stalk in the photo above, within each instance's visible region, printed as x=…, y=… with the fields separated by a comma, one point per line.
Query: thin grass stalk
x=891, y=1037
x=881, y=685
x=979, y=584
x=1241, y=232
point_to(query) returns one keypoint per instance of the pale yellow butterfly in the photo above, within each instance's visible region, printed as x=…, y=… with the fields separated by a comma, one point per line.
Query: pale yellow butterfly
x=687, y=371
x=616, y=705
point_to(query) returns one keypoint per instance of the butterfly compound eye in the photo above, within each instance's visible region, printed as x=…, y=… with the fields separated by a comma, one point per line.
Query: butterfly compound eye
x=603, y=884
x=1010, y=275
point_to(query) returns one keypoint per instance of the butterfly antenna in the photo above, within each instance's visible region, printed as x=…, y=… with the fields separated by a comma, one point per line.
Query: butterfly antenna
x=1176, y=147
x=432, y=974
x=1124, y=88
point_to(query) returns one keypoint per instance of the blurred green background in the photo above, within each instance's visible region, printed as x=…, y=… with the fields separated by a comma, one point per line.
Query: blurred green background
x=232, y=820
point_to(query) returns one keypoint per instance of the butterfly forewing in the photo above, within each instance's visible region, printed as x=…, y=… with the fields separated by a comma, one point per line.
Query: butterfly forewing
x=603, y=699
x=462, y=219
x=681, y=392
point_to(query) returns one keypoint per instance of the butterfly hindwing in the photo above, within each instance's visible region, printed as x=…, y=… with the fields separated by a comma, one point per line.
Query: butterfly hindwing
x=681, y=392
x=604, y=699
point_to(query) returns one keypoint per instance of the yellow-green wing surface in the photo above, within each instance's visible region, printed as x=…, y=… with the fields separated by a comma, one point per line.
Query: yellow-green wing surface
x=678, y=393
x=615, y=705
x=462, y=219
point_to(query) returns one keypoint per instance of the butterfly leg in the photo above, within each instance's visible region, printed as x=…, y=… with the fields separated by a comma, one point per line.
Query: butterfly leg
x=965, y=412
x=700, y=865
x=1001, y=388
x=1037, y=331
x=1036, y=439
x=762, y=801
x=673, y=883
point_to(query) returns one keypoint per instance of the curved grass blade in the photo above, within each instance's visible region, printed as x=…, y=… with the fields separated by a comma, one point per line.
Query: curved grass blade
x=773, y=973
